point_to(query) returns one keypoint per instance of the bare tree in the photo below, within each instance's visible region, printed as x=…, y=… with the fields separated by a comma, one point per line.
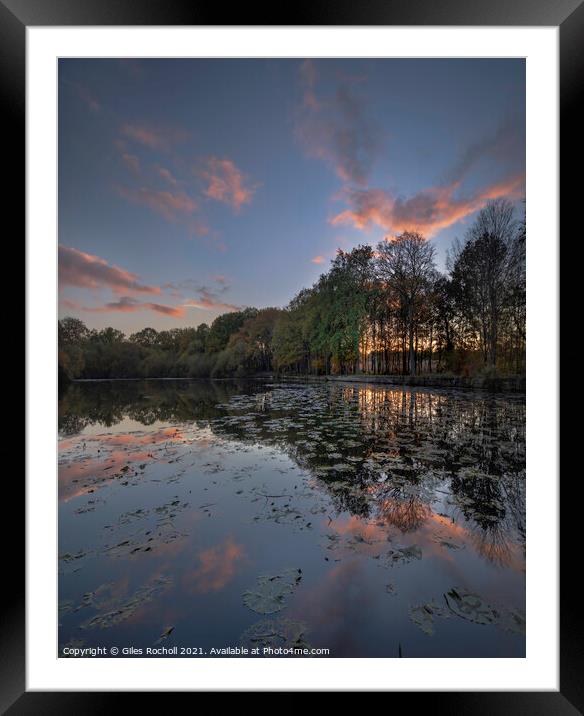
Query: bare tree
x=485, y=271
x=405, y=264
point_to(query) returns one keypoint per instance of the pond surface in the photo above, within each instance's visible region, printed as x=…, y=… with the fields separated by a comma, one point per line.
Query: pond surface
x=369, y=520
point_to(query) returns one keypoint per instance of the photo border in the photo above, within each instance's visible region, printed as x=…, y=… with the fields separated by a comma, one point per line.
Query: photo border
x=16, y=15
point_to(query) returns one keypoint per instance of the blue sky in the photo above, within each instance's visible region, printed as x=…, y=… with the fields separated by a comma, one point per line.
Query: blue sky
x=192, y=187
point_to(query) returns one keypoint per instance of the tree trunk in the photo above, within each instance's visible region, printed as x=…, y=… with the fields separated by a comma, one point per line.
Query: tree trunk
x=412, y=354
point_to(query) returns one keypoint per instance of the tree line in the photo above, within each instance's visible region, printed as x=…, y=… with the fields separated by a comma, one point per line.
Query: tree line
x=381, y=310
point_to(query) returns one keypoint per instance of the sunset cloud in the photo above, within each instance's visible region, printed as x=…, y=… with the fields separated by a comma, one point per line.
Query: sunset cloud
x=87, y=97
x=166, y=174
x=132, y=162
x=203, y=296
x=69, y=305
x=318, y=259
x=428, y=211
x=208, y=300
x=503, y=145
x=172, y=205
x=222, y=280
x=225, y=183
x=175, y=311
x=127, y=304
x=77, y=268
x=158, y=138
x=337, y=128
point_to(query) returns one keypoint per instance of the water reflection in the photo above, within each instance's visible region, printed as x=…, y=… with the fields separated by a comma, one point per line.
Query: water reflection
x=216, y=568
x=384, y=493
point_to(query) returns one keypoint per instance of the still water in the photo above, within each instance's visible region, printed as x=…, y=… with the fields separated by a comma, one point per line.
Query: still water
x=367, y=520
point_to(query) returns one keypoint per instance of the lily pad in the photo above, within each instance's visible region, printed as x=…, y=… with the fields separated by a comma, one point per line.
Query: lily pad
x=66, y=606
x=514, y=621
x=471, y=606
x=275, y=633
x=423, y=616
x=269, y=596
x=126, y=609
x=402, y=555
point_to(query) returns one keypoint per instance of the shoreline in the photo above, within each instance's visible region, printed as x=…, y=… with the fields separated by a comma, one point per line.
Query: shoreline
x=497, y=384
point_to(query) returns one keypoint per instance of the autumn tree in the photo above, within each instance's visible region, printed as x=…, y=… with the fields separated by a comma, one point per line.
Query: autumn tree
x=147, y=337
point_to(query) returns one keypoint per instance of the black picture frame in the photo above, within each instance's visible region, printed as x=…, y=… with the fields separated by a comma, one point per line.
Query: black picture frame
x=17, y=15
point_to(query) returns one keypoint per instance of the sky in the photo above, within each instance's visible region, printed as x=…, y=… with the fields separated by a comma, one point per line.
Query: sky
x=188, y=188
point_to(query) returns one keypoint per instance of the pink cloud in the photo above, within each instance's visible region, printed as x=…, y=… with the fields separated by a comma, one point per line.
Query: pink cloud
x=337, y=128
x=208, y=300
x=132, y=162
x=127, y=304
x=77, y=268
x=88, y=98
x=222, y=280
x=318, y=259
x=308, y=78
x=428, y=211
x=69, y=305
x=226, y=183
x=167, y=176
x=171, y=205
x=158, y=138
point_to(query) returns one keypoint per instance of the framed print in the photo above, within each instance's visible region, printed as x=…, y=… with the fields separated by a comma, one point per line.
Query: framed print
x=292, y=360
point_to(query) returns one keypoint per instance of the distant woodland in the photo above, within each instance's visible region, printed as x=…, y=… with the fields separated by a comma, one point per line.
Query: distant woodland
x=379, y=310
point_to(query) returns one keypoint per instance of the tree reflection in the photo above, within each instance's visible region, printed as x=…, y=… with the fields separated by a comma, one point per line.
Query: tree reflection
x=407, y=515
x=109, y=402
x=378, y=451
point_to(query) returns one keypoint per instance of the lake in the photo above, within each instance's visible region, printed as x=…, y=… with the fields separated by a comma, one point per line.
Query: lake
x=306, y=518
